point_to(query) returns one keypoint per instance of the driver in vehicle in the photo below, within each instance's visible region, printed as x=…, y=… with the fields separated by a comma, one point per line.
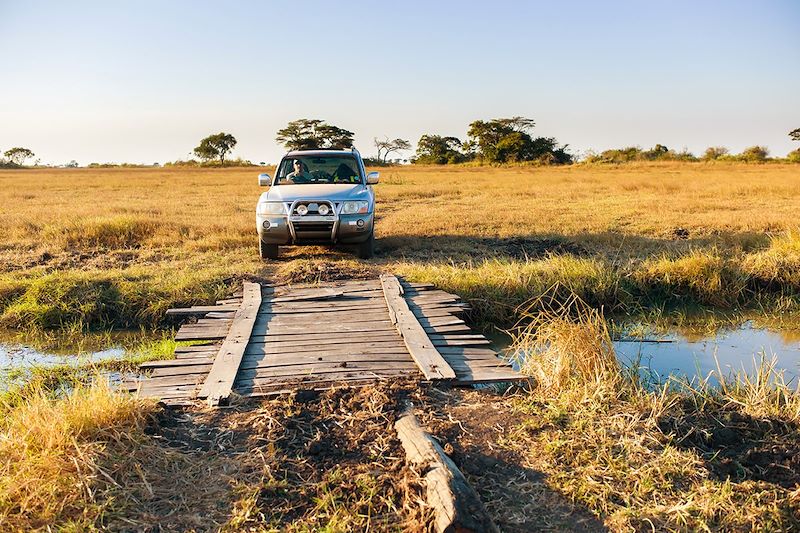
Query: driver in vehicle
x=300, y=174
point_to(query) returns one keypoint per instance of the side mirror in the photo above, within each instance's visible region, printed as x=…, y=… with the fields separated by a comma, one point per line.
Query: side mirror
x=373, y=177
x=264, y=180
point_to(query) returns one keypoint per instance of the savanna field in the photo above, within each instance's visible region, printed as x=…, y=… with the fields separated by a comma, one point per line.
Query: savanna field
x=588, y=447
x=630, y=238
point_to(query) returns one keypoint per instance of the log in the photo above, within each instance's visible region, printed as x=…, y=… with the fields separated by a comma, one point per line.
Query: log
x=219, y=382
x=455, y=504
x=422, y=350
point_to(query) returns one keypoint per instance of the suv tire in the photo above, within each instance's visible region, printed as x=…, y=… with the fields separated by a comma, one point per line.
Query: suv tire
x=367, y=248
x=267, y=251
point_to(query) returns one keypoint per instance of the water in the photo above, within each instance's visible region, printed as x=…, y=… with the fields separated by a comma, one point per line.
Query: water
x=21, y=356
x=696, y=356
x=18, y=355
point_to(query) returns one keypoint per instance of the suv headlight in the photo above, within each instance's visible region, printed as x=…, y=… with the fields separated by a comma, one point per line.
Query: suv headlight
x=271, y=208
x=351, y=208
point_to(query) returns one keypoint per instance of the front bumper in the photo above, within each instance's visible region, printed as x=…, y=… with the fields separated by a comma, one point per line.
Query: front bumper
x=309, y=229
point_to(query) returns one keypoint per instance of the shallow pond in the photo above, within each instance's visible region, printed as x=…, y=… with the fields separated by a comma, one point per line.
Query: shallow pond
x=685, y=354
x=18, y=354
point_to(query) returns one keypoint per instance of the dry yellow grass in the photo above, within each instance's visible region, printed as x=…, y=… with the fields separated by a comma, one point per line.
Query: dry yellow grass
x=143, y=239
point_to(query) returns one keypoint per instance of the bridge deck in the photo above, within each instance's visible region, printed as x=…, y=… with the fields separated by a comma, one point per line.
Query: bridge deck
x=321, y=336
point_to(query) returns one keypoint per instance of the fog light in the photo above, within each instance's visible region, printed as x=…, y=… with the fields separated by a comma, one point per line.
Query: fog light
x=360, y=223
x=302, y=210
x=323, y=209
x=266, y=224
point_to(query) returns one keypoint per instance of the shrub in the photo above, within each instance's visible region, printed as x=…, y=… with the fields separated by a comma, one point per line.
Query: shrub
x=713, y=153
x=754, y=154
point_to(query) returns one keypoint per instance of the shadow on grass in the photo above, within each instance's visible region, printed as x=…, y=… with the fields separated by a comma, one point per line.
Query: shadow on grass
x=738, y=446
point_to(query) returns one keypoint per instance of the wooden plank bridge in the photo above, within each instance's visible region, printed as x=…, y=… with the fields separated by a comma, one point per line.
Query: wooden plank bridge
x=270, y=340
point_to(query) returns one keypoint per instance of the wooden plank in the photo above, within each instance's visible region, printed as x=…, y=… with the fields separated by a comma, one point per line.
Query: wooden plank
x=455, y=504
x=319, y=294
x=199, y=336
x=324, y=368
x=273, y=330
x=219, y=382
x=354, y=308
x=311, y=357
x=268, y=348
x=248, y=388
x=430, y=362
x=199, y=310
x=176, y=362
x=374, y=375
x=253, y=354
x=437, y=313
x=284, y=342
x=180, y=371
x=197, y=348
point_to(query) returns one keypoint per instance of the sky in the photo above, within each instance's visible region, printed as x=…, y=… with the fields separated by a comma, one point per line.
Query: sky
x=144, y=81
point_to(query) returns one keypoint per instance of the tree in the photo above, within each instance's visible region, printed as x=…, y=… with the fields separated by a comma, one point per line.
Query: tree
x=311, y=134
x=438, y=150
x=795, y=134
x=508, y=140
x=215, y=147
x=18, y=155
x=755, y=153
x=386, y=146
x=715, y=152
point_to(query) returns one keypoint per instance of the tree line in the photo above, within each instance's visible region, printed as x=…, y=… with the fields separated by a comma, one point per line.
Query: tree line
x=500, y=140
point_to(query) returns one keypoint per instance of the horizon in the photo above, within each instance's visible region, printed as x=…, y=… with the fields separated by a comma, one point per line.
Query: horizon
x=102, y=83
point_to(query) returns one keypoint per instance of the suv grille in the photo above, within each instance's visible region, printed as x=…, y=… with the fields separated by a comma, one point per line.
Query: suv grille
x=309, y=227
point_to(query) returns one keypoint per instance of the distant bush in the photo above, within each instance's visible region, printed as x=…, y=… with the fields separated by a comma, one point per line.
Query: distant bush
x=713, y=153
x=238, y=162
x=634, y=153
x=794, y=156
x=118, y=165
x=755, y=154
x=375, y=162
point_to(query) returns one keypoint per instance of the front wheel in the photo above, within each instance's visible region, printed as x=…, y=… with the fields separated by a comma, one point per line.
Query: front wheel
x=267, y=251
x=367, y=248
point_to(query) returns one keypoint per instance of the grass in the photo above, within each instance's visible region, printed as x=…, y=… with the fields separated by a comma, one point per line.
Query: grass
x=116, y=247
x=59, y=458
x=680, y=457
x=92, y=249
x=94, y=460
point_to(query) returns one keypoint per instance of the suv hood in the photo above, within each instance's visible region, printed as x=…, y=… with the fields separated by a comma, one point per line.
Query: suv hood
x=319, y=191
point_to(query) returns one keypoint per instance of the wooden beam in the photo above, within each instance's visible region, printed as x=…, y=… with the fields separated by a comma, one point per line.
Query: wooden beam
x=421, y=348
x=455, y=504
x=219, y=382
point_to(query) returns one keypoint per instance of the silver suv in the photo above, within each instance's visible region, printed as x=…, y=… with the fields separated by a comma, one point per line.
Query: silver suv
x=317, y=197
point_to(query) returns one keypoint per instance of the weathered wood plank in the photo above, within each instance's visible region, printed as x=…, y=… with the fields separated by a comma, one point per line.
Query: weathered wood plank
x=199, y=310
x=177, y=362
x=331, y=377
x=311, y=357
x=268, y=348
x=319, y=294
x=219, y=382
x=421, y=349
x=324, y=368
x=455, y=504
x=285, y=342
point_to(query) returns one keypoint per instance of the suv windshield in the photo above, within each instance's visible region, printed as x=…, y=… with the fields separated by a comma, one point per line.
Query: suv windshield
x=318, y=169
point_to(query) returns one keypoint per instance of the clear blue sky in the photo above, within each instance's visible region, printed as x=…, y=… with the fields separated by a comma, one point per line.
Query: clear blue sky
x=143, y=81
